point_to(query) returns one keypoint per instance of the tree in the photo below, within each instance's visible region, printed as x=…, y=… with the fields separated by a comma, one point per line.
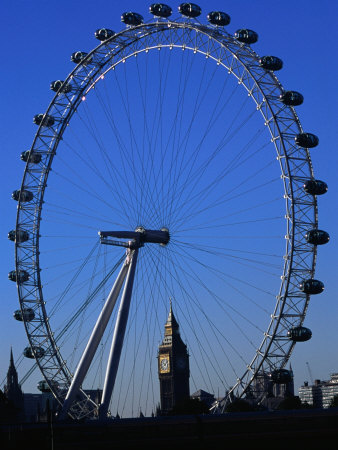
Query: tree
x=306, y=405
x=290, y=403
x=241, y=405
x=334, y=402
x=190, y=406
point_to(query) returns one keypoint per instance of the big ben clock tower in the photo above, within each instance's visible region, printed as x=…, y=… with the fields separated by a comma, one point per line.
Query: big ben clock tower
x=173, y=366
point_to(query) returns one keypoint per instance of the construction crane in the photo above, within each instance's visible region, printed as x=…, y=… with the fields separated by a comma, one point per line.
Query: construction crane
x=310, y=373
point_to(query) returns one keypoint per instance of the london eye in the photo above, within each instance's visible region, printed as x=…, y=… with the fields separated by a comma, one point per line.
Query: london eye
x=169, y=164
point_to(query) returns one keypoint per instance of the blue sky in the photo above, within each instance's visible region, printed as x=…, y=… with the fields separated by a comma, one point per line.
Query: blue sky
x=37, y=41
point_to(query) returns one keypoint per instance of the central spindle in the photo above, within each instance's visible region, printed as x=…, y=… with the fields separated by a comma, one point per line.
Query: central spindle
x=136, y=238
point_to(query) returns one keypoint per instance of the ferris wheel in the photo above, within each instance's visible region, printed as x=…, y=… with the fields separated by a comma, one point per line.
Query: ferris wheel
x=170, y=164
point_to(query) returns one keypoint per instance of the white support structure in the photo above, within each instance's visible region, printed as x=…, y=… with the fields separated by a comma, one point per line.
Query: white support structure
x=95, y=339
x=118, y=337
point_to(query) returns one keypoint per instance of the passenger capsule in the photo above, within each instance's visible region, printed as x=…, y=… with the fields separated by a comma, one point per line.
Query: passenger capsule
x=160, y=10
x=78, y=57
x=307, y=140
x=315, y=187
x=281, y=376
x=60, y=86
x=44, y=120
x=30, y=156
x=271, y=63
x=299, y=334
x=103, y=34
x=189, y=10
x=27, y=315
x=311, y=286
x=131, y=18
x=218, y=18
x=43, y=386
x=317, y=237
x=291, y=98
x=18, y=277
x=246, y=36
x=28, y=352
x=18, y=235
x=22, y=195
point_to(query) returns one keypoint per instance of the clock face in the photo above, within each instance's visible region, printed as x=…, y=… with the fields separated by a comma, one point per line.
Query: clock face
x=164, y=364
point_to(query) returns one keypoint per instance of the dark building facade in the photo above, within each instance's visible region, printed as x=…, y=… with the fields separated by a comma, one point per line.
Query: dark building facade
x=13, y=391
x=173, y=367
x=15, y=406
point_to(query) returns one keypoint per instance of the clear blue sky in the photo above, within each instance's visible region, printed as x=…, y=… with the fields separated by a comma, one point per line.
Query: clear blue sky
x=38, y=38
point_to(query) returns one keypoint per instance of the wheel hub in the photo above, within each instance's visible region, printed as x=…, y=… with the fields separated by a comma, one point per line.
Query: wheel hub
x=136, y=238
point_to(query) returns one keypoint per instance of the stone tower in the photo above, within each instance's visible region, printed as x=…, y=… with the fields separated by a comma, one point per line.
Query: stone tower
x=173, y=366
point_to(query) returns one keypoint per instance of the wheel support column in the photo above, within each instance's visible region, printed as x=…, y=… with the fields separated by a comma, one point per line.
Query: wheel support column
x=118, y=337
x=94, y=340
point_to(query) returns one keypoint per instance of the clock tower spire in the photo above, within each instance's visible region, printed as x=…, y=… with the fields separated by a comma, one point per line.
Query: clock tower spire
x=173, y=366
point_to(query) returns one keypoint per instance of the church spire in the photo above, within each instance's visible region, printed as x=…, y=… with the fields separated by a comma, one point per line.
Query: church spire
x=13, y=389
x=11, y=362
x=12, y=374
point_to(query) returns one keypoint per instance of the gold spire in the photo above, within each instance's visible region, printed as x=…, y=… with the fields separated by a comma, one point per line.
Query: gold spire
x=171, y=325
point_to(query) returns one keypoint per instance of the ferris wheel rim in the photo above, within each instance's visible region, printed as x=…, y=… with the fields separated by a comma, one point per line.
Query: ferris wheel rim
x=288, y=189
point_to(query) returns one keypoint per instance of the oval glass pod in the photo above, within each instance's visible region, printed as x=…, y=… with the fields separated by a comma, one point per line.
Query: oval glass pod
x=27, y=315
x=311, y=286
x=44, y=120
x=30, y=156
x=317, y=237
x=60, y=86
x=43, y=386
x=189, y=10
x=291, y=98
x=315, y=187
x=22, y=195
x=271, y=63
x=307, y=140
x=18, y=235
x=104, y=33
x=78, y=57
x=131, y=18
x=18, y=277
x=281, y=376
x=28, y=352
x=218, y=18
x=246, y=36
x=299, y=334
x=160, y=10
